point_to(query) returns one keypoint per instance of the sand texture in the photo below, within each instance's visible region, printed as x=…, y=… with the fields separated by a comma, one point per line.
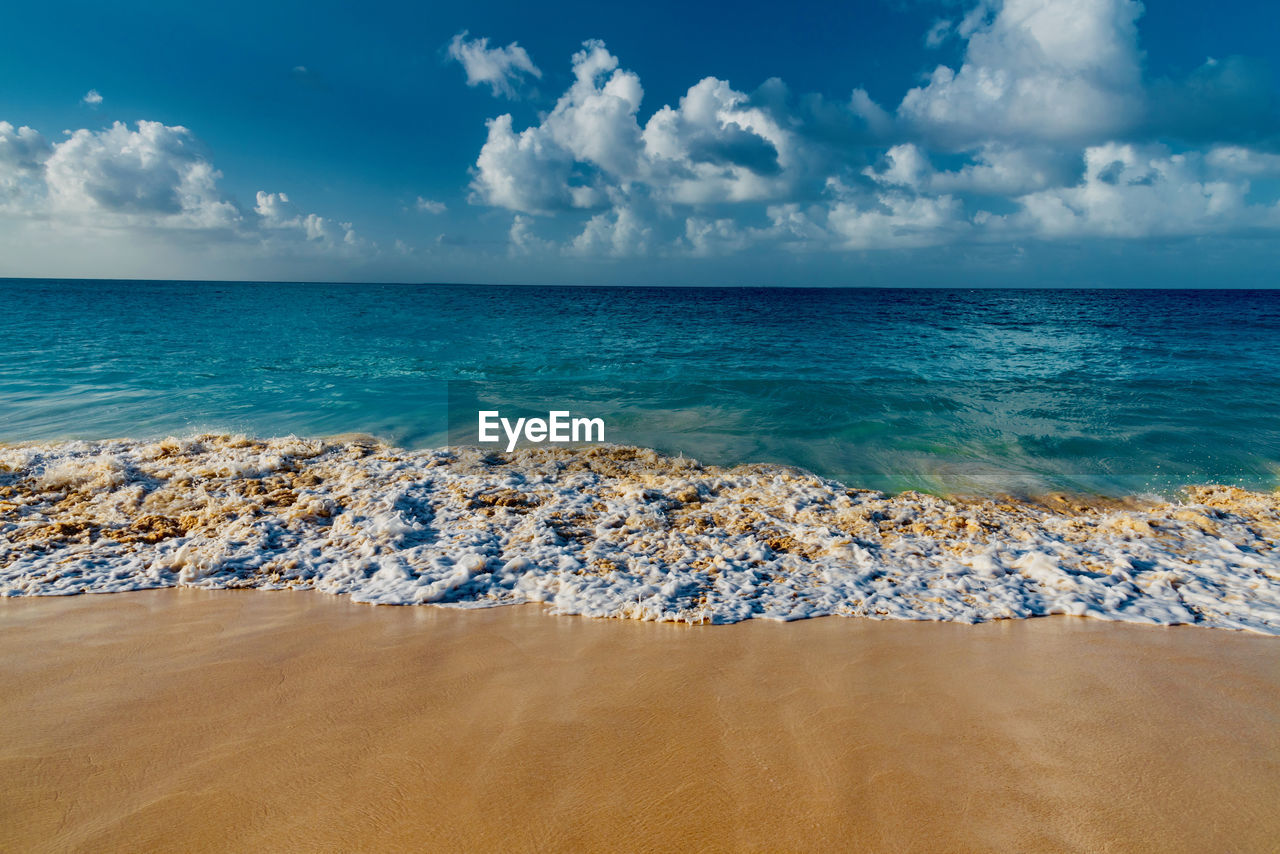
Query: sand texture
x=195, y=720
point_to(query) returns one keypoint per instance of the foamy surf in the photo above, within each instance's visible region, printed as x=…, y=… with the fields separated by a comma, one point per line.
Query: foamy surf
x=614, y=532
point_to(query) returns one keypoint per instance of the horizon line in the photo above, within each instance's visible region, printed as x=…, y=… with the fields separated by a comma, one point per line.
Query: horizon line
x=648, y=286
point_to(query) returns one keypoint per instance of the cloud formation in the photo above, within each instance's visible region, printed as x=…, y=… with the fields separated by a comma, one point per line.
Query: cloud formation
x=275, y=211
x=1044, y=70
x=1147, y=191
x=498, y=67
x=149, y=179
x=92, y=98
x=154, y=174
x=1047, y=130
x=591, y=151
x=23, y=153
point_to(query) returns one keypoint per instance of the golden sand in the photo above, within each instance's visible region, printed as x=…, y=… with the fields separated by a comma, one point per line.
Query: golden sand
x=191, y=720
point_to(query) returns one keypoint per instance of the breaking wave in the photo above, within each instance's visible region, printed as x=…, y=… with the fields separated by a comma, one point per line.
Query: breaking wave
x=615, y=532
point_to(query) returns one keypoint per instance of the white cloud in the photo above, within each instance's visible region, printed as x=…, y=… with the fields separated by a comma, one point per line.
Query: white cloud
x=590, y=150
x=1059, y=70
x=23, y=153
x=150, y=193
x=155, y=175
x=522, y=172
x=275, y=210
x=1025, y=141
x=497, y=67
x=278, y=213
x=897, y=220
x=1120, y=190
x=1238, y=160
x=715, y=147
x=522, y=240
x=1143, y=191
x=905, y=166
x=92, y=98
x=707, y=237
x=593, y=125
x=995, y=169
x=22, y=148
x=793, y=225
x=998, y=169
x=431, y=207
x=619, y=233
x=596, y=119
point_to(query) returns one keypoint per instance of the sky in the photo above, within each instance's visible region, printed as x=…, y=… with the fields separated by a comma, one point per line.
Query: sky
x=887, y=142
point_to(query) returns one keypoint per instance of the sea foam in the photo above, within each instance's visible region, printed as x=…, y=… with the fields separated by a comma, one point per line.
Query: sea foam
x=615, y=532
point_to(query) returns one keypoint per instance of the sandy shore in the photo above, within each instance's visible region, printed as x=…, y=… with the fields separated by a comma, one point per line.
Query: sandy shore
x=244, y=720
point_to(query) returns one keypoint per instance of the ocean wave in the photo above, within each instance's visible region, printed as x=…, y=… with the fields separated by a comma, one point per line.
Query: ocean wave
x=615, y=532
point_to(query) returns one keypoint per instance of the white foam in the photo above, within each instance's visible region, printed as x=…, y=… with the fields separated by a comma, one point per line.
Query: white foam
x=614, y=532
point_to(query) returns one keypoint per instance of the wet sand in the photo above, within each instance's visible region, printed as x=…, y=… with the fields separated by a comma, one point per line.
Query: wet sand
x=245, y=720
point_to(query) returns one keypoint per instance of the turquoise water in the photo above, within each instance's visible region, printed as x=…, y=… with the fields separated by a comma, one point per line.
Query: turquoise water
x=988, y=390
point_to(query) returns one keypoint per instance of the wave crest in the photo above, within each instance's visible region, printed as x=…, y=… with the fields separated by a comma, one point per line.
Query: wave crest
x=614, y=532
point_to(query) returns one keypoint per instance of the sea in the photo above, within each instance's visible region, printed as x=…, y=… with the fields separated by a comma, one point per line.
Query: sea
x=984, y=391
x=780, y=453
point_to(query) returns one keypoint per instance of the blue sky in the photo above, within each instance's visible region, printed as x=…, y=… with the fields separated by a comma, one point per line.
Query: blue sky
x=891, y=142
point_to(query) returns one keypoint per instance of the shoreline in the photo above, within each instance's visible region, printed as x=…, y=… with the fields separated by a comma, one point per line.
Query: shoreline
x=615, y=531
x=1007, y=485
x=220, y=720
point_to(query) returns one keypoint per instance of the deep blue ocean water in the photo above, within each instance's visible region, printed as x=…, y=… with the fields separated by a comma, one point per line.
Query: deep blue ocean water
x=989, y=390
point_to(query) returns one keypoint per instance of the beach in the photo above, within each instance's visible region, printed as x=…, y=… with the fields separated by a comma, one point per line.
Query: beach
x=661, y=428
x=201, y=720
x=1012, y=584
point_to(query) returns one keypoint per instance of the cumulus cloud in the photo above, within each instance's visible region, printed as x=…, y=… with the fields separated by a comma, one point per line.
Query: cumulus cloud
x=715, y=147
x=146, y=180
x=22, y=148
x=710, y=237
x=618, y=233
x=896, y=220
x=92, y=98
x=1238, y=160
x=790, y=226
x=276, y=212
x=154, y=174
x=1057, y=70
x=586, y=145
x=23, y=153
x=522, y=240
x=995, y=169
x=498, y=67
x=590, y=150
x=595, y=120
x=1144, y=191
x=431, y=207
x=522, y=172
x=275, y=209
x=1046, y=130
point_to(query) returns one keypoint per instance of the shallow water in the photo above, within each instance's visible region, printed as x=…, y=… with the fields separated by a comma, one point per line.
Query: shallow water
x=946, y=390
